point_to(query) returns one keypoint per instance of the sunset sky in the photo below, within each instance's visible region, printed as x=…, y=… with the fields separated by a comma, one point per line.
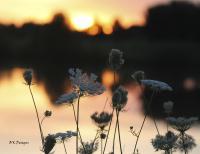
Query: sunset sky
x=104, y=11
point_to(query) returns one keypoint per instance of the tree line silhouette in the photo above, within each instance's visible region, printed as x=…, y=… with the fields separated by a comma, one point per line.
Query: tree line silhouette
x=167, y=44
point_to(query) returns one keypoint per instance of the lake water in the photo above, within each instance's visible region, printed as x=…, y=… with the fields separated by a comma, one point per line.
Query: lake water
x=18, y=121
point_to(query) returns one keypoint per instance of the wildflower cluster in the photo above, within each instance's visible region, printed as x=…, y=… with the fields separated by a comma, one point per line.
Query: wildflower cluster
x=84, y=83
x=102, y=119
x=119, y=99
x=181, y=124
x=166, y=142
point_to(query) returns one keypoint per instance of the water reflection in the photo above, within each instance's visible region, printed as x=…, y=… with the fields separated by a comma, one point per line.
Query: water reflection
x=17, y=120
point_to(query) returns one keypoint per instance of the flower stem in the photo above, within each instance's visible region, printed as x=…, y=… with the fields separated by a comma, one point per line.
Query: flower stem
x=78, y=132
x=64, y=147
x=117, y=113
x=37, y=115
x=95, y=138
x=42, y=120
x=114, y=136
x=139, y=133
x=138, y=136
x=101, y=145
x=108, y=132
x=77, y=124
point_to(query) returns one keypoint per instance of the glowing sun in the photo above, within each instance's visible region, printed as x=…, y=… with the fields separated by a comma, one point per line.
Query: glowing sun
x=82, y=22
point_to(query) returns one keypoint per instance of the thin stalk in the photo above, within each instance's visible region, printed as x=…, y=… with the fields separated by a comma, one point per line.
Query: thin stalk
x=95, y=138
x=117, y=113
x=37, y=115
x=108, y=132
x=78, y=127
x=182, y=134
x=139, y=133
x=77, y=124
x=42, y=120
x=64, y=146
x=101, y=145
x=114, y=136
x=145, y=117
x=154, y=120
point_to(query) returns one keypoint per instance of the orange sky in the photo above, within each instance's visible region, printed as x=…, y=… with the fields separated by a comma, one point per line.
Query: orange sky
x=104, y=11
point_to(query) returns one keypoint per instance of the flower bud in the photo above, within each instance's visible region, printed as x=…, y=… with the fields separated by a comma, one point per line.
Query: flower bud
x=47, y=113
x=28, y=76
x=116, y=59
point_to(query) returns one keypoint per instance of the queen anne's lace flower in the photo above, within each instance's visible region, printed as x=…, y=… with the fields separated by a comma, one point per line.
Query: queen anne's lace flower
x=181, y=124
x=64, y=135
x=90, y=148
x=168, y=106
x=102, y=119
x=28, y=76
x=186, y=143
x=156, y=85
x=116, y=59
x=119, y=99
x=49, y=143
x=84, y=83
x=166, y=142
x=67, y=98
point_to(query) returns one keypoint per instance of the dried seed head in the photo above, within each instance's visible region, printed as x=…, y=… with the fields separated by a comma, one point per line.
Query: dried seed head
x=102, y=136
x=119, y=99
x=116, y=59
x=168, y=106
x=47, y=113
x=28, y=76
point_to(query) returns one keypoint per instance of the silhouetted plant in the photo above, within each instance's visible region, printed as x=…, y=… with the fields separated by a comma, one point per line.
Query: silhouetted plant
x=101, y=121
x=28, y=75
x=90, y=148
x=83, y=85
x=47, y=114
x=155, y=86
x=166, y=142
x=119, y=101
x=168, y=107
x=181, y=124
x=49, y=143
x=115, y=61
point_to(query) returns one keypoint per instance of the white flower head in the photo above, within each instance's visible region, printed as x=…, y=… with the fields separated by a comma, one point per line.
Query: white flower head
x=84, y=83
x=181, y=124
x=101, y=119
x=119, y=99
x=67, y=98
x=89, y=148
x=156, y=85
x=166, y=142
x=116, y=59
x=49, y=143
x=186, y=143
x=28, y=74
x=63, y=136
x=168, y=106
